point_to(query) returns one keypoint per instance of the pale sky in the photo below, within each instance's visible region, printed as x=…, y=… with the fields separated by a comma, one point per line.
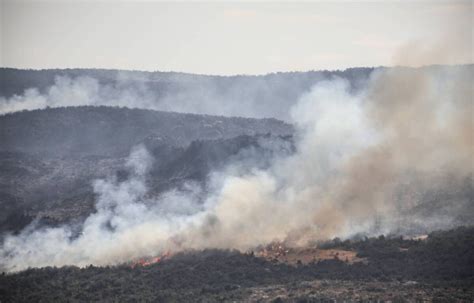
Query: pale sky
x=233, y=37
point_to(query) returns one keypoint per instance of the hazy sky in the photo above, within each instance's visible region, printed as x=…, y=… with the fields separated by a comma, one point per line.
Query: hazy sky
x=233, y=38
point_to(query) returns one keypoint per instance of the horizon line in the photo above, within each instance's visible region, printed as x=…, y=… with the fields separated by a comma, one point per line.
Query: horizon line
x=232, y=75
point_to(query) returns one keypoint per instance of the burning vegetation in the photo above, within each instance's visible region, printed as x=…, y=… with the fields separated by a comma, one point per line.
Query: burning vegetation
x=147, y=261
x=436, y=269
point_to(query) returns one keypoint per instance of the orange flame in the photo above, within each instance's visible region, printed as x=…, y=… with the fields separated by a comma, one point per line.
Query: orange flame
x=147, y=261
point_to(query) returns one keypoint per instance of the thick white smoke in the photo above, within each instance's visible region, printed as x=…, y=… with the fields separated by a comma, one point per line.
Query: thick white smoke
x=362, y=162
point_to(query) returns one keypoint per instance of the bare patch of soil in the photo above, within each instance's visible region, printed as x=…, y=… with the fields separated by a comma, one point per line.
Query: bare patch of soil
x=279, y=252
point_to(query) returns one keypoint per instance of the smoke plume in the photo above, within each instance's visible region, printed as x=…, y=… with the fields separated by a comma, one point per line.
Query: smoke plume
x=364, y=163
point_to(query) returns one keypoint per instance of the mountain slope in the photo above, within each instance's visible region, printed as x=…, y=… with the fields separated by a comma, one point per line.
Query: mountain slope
x=109, y=131
x=49, y=158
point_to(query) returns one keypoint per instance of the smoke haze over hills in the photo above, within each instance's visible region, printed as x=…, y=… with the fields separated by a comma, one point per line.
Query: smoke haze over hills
x=242, y=151
x=369, y=161
x=269, y=96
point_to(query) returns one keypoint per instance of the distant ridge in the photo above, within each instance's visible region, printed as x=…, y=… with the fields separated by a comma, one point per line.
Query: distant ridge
x=270, y=95
x=112, y=131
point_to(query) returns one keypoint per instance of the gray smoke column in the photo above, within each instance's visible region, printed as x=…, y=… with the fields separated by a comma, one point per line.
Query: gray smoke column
x=364, y=161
